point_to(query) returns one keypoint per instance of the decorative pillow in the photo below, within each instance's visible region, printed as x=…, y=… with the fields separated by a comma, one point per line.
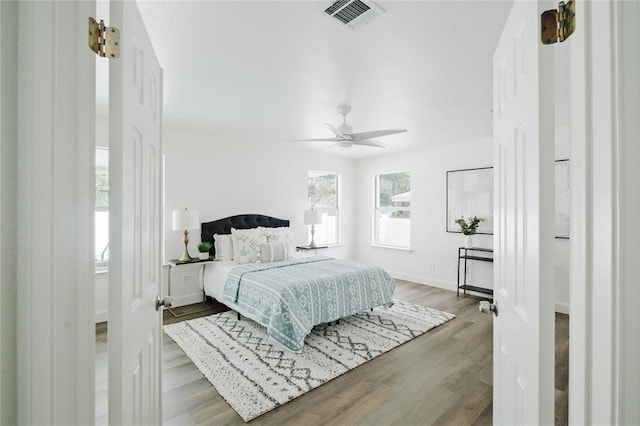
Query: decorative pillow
x=274, y=252
x=246, y=245
x=283, y=234
x=223, y=244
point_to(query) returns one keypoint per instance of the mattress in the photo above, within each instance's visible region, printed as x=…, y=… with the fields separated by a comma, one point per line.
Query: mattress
x=290, y=297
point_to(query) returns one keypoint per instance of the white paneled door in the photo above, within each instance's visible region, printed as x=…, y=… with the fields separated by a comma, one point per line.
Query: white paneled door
x=135, y=155
x=523, y=240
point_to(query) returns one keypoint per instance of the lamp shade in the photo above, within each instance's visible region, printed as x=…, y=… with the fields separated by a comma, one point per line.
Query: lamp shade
x=312, y=217
x=185, y=219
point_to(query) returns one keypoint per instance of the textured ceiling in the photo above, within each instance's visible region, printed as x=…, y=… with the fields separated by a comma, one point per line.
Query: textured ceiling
x=268, y=71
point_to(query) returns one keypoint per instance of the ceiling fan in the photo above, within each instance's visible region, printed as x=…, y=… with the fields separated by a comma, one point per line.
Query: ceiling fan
x=345, y=137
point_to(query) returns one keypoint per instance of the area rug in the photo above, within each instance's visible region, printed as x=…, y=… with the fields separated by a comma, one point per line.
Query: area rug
x=254, y=375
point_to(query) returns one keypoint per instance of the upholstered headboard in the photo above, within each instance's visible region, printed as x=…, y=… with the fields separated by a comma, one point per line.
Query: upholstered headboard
x=241, y=221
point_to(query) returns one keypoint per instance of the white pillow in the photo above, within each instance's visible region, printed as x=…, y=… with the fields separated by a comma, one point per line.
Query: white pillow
x=274, y=252
x=223, y=245
x=246, y=245
x=284, y=234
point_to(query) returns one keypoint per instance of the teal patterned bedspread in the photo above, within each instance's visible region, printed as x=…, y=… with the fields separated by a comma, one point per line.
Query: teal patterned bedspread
x=292, y=296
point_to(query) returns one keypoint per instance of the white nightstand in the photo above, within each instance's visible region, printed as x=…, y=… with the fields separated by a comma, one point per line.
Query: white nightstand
x=176, y=263
x=307, y=248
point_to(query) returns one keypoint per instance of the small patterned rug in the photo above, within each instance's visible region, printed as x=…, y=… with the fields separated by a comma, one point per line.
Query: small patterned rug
x=255, y=376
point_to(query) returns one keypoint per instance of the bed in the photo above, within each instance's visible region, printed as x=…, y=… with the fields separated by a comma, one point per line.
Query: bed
x=285, y=292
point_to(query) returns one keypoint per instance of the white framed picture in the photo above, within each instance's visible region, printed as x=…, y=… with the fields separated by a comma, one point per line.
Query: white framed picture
x=470, y=193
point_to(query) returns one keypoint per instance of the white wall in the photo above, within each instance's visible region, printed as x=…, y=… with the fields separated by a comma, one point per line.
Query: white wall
x=225, y=175
x=562, y=245
x=102, y=297
x=433, y=256
x=222, y=177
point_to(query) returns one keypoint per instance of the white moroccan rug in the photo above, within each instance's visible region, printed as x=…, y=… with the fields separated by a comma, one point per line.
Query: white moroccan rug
x=255, y=376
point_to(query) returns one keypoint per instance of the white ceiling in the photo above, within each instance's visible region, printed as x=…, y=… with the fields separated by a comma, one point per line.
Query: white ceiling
x=266, y=71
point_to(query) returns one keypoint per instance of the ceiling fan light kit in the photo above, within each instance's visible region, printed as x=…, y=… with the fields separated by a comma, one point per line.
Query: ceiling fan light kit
x=345, y=138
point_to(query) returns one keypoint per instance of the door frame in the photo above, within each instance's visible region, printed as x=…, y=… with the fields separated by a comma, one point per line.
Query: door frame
x=8, y=211
x=604, y=154
x=56, y=190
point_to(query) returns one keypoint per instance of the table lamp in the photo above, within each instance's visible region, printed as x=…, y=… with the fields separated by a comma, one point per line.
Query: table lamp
x=185, y=220
x=312, y=217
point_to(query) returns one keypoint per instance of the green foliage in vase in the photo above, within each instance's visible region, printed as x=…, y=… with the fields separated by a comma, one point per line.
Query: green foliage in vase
x=204, y=247
x=470, y=225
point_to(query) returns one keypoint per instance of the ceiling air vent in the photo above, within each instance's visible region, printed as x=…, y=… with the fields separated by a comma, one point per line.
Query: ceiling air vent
x=353, y=13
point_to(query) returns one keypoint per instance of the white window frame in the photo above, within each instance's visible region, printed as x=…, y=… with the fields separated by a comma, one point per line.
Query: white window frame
x=378, y=210
x=326, y=211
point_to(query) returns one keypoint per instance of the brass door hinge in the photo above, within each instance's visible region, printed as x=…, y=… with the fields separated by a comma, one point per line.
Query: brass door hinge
x=104, y=41
x=558, y=25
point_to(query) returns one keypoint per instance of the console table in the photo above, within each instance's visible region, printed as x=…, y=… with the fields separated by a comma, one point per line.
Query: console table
x=473, y=254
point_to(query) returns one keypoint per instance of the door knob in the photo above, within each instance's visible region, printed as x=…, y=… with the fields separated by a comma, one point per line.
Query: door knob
x=487, y=307
x=167, y=302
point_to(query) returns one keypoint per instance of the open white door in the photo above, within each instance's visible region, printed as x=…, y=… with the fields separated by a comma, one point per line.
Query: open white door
x=135, y=159
x=523, y=236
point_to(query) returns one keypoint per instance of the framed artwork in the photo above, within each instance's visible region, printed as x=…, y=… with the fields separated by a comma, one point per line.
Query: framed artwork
x=470, y=193
x=563, y=199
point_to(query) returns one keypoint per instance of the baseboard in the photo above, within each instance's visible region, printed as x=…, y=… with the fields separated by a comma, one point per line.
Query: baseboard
x=418, y=279
x=187, y=299
x=562, y=308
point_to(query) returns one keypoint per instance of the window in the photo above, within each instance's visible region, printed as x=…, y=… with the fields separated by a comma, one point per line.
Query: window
x=392, y=222
x=102, y=209
x=323, y=196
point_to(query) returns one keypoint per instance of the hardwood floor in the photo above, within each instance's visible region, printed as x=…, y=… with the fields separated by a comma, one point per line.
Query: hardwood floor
x=443, y=377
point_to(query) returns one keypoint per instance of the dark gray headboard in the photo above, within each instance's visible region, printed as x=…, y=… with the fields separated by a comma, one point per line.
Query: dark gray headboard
x=241, y=221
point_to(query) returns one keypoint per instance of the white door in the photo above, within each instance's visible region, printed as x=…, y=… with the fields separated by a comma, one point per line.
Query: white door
x=523, y=232
x=135, y=155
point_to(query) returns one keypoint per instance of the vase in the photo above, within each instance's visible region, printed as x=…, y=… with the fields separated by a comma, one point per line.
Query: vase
x=204, y=255
x=468, y=242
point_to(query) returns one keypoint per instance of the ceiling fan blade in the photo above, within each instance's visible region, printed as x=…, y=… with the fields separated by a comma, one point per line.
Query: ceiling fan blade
x=375, y=134
x=336, y=131
x=370, y=143
x=314, y=140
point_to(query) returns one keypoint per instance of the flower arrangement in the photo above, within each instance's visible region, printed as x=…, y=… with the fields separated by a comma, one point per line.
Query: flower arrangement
x=204, y=247
x=470, y=225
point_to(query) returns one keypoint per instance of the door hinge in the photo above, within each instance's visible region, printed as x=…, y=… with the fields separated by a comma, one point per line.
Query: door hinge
x=558, y=25
x=104, y=41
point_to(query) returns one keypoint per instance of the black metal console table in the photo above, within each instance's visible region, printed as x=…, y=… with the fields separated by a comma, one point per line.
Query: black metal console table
x=473, y=253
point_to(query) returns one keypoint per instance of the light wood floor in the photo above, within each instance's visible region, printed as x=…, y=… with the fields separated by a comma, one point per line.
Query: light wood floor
x=442, y=377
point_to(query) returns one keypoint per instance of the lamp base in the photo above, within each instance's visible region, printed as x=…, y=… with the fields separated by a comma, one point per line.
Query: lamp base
x=312, y=244
x=185, y=254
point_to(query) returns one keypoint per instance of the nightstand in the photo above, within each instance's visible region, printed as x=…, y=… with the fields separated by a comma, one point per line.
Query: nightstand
x=307, y=248
x=176, y=263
